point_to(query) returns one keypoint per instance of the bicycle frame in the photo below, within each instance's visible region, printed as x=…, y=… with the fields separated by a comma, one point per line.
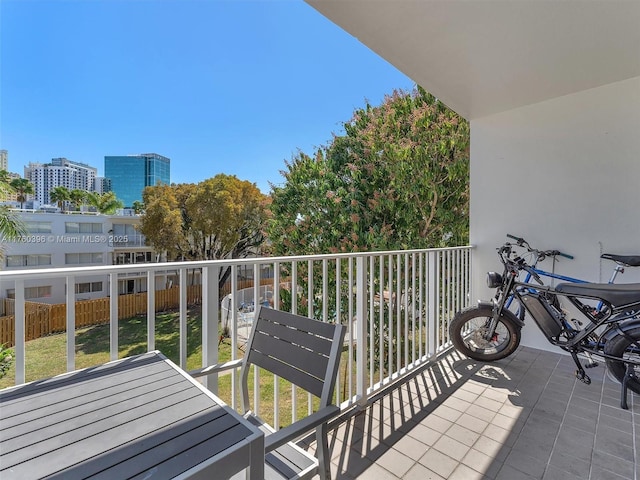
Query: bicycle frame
x=543, y=273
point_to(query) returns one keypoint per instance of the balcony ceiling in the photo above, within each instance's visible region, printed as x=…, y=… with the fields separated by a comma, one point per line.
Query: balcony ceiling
x=485, y=57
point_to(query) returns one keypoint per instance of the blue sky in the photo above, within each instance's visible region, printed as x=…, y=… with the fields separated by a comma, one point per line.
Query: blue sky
x=235, y=87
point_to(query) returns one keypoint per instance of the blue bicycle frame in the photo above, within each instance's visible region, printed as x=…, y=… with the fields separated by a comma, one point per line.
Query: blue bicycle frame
x=543, y=273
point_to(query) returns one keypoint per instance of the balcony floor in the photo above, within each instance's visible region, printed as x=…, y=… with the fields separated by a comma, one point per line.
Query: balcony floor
x=525, y=417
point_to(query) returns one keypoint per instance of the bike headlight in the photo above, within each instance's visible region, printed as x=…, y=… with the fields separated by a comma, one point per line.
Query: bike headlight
x=494, y=279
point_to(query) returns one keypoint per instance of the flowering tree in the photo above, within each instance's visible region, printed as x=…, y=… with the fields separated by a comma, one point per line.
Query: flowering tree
x=397, y=179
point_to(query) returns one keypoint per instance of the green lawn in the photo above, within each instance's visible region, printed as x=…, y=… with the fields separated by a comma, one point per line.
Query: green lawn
x=46, y=357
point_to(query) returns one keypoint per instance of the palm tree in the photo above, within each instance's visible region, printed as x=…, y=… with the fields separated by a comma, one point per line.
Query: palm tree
x=93, y=200
x=11, y=227
x=59, y=195
x=23, y=187
x=108, y=203
x=78, y=197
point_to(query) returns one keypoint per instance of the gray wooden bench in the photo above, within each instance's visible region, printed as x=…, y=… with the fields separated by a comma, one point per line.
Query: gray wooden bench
x=305, y=352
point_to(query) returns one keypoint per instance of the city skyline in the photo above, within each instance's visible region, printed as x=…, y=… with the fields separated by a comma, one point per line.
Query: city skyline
x=220, y=87
x=125, y=175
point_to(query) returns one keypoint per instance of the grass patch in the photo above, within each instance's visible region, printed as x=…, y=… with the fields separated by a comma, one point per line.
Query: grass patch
x=46, y=356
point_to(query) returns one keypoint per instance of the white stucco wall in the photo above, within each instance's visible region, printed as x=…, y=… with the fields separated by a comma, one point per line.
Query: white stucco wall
x=563, y=174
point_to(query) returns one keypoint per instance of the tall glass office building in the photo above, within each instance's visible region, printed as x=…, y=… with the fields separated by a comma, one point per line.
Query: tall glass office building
x=129, y=174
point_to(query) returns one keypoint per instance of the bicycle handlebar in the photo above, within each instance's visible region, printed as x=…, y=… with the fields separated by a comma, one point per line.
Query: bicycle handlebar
x=548, y=253
x=559, y=253
x=519, y=240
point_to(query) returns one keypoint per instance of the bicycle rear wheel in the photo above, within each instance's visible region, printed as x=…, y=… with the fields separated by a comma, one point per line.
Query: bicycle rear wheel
x=624, y=347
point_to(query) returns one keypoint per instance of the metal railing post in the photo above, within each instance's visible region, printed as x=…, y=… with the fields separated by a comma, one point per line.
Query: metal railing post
x=432, y=308
x=151, y=310
x=210, y=322
x=19, y=316
x=71, y=323
x=183, y=318
x=113, y=316
x=361, y=330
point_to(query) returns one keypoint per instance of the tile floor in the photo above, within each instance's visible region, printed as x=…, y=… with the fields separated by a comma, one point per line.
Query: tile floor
x=522, y=418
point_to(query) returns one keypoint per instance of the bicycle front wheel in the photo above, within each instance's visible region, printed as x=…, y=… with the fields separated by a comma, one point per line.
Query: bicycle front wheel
x=468, y=332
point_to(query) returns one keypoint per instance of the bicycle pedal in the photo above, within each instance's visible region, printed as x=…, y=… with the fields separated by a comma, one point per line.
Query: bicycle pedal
x=591, y=365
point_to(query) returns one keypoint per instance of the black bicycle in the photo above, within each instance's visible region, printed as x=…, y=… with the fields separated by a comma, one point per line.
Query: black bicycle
x=610, y=328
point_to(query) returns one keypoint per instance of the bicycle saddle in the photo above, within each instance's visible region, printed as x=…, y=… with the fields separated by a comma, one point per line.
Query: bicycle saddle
x=626, y=260
x=618, y=295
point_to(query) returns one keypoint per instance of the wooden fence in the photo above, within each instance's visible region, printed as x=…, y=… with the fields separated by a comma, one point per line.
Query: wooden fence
x=43, y=319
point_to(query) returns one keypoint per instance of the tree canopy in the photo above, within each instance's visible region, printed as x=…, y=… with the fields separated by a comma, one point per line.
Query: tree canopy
x=78, y=198
x=59, y=195
x=222, y=217
x=106, y=202
x=11, y=227
x=397, y=179
x=23, y=187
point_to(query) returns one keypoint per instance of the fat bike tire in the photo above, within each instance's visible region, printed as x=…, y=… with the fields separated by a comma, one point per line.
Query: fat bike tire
x=467, y=328
x=623, y=347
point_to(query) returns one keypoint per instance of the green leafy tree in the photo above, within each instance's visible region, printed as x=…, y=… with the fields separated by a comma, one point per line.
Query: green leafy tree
x=397, y=179
x=228, y=216
x=162, y=222
x=59, y=195
x=5, y=187
x=138, y=207
x=23, y=188
x=222, y=217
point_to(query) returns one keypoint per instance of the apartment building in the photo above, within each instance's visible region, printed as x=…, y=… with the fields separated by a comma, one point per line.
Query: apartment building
x=60, y=172
x=71, y=240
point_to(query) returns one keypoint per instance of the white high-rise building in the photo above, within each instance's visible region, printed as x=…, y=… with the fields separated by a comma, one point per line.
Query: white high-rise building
x=60, y=172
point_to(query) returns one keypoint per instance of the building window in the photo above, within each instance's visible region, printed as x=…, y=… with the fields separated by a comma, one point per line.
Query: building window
x=28, y=260
x=82, y=258
x=124, y=229
x=82, y=227
x=125, y=258
x=31, y=292
x=38, y=227
x=88, y=287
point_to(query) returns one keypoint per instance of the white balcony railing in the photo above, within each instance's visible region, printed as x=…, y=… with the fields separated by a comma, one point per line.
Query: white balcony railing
x=397, y=305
